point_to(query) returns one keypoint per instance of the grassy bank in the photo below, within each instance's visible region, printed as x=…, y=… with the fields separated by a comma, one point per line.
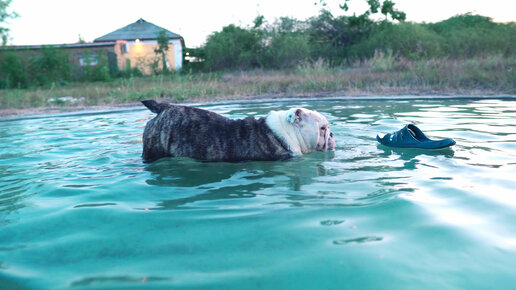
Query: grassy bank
x=384, y=74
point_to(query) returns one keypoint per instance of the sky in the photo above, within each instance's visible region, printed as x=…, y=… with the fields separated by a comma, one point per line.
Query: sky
x=62, y=21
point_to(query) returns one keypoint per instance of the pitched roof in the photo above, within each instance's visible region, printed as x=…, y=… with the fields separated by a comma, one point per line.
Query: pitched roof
x=140, y=29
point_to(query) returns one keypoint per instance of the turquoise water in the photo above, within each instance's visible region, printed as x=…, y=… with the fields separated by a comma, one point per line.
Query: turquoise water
x=79, y=209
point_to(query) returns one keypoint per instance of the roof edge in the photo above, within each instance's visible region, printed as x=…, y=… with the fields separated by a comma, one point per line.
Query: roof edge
x=112, y=36
x=63, y=45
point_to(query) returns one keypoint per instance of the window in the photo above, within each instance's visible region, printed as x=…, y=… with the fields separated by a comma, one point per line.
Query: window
x=88, y=60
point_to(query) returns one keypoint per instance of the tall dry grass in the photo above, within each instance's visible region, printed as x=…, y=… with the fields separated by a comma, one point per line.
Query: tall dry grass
x=383, y=74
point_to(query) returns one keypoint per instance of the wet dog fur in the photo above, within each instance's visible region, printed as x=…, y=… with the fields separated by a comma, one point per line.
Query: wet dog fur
x=193, y=132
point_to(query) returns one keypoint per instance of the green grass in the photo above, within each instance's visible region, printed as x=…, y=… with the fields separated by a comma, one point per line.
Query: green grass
x=384, y=74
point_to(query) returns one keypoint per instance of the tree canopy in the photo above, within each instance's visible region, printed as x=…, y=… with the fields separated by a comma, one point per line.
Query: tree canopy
x=5, y=15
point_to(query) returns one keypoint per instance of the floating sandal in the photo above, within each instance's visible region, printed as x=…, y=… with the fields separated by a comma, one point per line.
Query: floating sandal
x=411, y=136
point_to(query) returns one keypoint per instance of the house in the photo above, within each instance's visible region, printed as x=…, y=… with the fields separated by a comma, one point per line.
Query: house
x=133, y=45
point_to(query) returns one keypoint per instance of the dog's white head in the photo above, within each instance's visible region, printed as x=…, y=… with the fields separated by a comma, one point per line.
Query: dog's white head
x=303, y=130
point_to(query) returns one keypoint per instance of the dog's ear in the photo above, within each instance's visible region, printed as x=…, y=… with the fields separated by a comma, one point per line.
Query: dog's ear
x=294, y=115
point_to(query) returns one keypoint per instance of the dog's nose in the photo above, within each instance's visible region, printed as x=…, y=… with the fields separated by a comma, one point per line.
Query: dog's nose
x=331, y=134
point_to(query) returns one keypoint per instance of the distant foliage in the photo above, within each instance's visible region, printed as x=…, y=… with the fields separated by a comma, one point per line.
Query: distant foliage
x=233, y=48
x=410, y=40
x=289, y=44
x=471, y=35
x=344, y=39
x=52, y=66
x=286, y=44
x=331, y=36
x=13, y=71
x=5, y=15
x=161, y=52
x=286, y=49
x=49, y=67
x=462, y=36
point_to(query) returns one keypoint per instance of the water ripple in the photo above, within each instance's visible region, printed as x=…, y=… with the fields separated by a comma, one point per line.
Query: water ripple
x=79, y=208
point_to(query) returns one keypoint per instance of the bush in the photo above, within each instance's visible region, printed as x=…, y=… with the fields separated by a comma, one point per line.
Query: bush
x=339, y=40
x=52, y=66
x=410, y=40
x=232, y=48
x=130, y=71
x=287, y=44
x=98, y=72
x=330, y=37
x=474, y=35
x=287, y=50
x=13, y=73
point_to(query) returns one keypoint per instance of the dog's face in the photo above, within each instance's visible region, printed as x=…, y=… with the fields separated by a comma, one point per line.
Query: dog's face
x=302, y=129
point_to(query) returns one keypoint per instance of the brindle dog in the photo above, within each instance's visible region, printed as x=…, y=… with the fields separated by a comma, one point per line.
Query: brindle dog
x=205, y=135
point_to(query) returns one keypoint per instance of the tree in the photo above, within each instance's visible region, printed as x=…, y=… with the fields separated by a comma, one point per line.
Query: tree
x=258, y=21
x=386, y=7
x=233, y=48
x=161, y=50
x=331, y=37
x=286, y=44
x=4, y=16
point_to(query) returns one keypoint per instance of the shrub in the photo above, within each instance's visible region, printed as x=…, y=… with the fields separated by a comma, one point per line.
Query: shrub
x=287, y=50
x=129, y=71
x=52, y=66
x=232, y=48
x=472, y=35
x=330, y=37
x=409, y=40
x=13, y=73
x=98, y=72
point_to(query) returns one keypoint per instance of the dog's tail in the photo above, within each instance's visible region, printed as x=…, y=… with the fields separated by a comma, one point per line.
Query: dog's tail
x=154, y=106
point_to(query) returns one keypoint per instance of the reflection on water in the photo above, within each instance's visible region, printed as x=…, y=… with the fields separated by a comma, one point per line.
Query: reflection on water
x=221, y=180
x=79, y=208
x=358, y=240
x=410, y=154
x=99, y=281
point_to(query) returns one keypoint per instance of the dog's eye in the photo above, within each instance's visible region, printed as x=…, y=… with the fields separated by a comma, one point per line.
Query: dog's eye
x=323, y=128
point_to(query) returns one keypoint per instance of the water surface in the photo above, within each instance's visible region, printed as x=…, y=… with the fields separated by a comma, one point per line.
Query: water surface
x=79, y=209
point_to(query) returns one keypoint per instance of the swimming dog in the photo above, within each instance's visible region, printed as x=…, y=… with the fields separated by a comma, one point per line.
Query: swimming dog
x=204, y=135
